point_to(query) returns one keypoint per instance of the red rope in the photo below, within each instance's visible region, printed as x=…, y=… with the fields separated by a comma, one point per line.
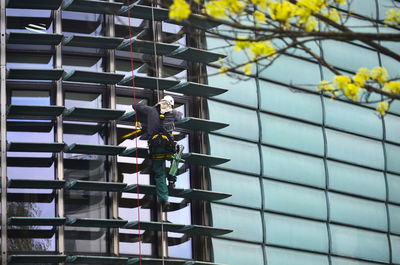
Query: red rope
x=136, y=139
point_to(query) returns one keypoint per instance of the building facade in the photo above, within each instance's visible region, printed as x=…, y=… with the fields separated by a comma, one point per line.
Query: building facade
x=295, y=179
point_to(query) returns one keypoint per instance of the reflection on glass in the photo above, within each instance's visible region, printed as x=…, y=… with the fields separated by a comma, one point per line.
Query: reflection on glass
x=29, y=20
x=82, y=23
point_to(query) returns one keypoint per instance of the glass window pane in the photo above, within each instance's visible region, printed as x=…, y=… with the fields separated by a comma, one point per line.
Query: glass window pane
x=303, y=169
x=243, y=123
x=294, y=199
x=355, y=149
x=280, y=256
x=246, y=224
x=289, y=102
x=292, y=134
x=239, y=91
x=247, y=160
x=352, y=118
x=392, y=124
x=357, y=243
x=343, y=261
x=236, y=253
x=233, y=183
x=296, y=233
x=359, y=212
x=394, y=187
x=394, y=213
x=392, y=156
x=347, y=178
x=395, y=246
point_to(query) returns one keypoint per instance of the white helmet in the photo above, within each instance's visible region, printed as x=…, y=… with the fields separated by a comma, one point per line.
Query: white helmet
x=169, y=99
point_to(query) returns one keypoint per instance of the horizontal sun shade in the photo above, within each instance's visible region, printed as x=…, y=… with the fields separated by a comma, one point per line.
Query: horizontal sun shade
x=28, y=221
x=95, y=186
x=131, y=152
x=34, y=38
x=154, y=226
x=94, y=149
x=197, y=124
x=34, y=4
x=92, y=6
x=35, y=184
x=149, y=82
x=35, y=74
x=36, y=258
x=79, y=259
x=196, y=55
x=144, y=46
x=93, y=77
x=193, y=194
x=35, y=147
x=203, y=160
x=145, y=12
x=153, y=261
x=195, y=89
x=32, y=110
x=93, y=114
x=92, y=41
x=29, y=161
x=94, y=222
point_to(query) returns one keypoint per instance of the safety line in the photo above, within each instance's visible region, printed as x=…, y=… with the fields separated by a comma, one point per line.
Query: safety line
x=136, y=138
x=153, y=25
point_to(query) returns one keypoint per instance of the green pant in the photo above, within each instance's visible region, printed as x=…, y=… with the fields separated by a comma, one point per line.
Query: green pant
x=158, y=169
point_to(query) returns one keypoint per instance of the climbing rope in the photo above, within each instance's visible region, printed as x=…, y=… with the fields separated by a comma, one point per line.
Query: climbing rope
x=136, y=138
x=153, y=25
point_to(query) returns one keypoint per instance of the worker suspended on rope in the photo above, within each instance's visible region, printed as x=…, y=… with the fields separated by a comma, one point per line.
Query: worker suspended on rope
x=160, y=124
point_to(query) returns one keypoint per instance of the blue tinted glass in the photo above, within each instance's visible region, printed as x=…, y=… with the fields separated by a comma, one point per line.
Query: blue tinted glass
x=292, y=134
x=239, y=91
x=343, y=261
x=357, y=243
x=236, y=253
x=301, y=169
x=347, y=56
x=247, y=160
x=392, y=155
x=392, y=124
x=394, y=187
x=293, y=103
x=233, y=183
x=246, y=224
x=395, y=247
x=359, y=212
x=282, y=71
x=394, y=213
x=352, y=118
x=347, y=178
x=296, y=233
x=243, y=123
x=280, y=256
x=354, y=149
x=294, y=199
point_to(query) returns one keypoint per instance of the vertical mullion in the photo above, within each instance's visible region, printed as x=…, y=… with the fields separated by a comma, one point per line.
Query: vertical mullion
x=59, y=133
x=110, y=67
x=3, y=133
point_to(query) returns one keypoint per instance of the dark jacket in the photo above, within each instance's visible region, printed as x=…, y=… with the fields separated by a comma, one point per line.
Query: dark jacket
x=154, y=123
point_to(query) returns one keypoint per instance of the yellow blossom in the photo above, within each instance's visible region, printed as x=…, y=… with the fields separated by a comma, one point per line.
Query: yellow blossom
x=313, y=5
x=223, y=70
x=341, y=2
x=328, y=88
x=392, y=17
x=382, y=107
x=262, y=4
x=282, y=11
x=311, y=24
x=393, y=87
x=379, y=74
x=234, y=6
x=332, y=14
x=247, y=69
x=259, y=17
x=262, y=48
x=351, y=91
x=359, y=79
x=364, y=72
x=215, y=9
x=341, y=81
x=242, y=43
x=179, y=10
